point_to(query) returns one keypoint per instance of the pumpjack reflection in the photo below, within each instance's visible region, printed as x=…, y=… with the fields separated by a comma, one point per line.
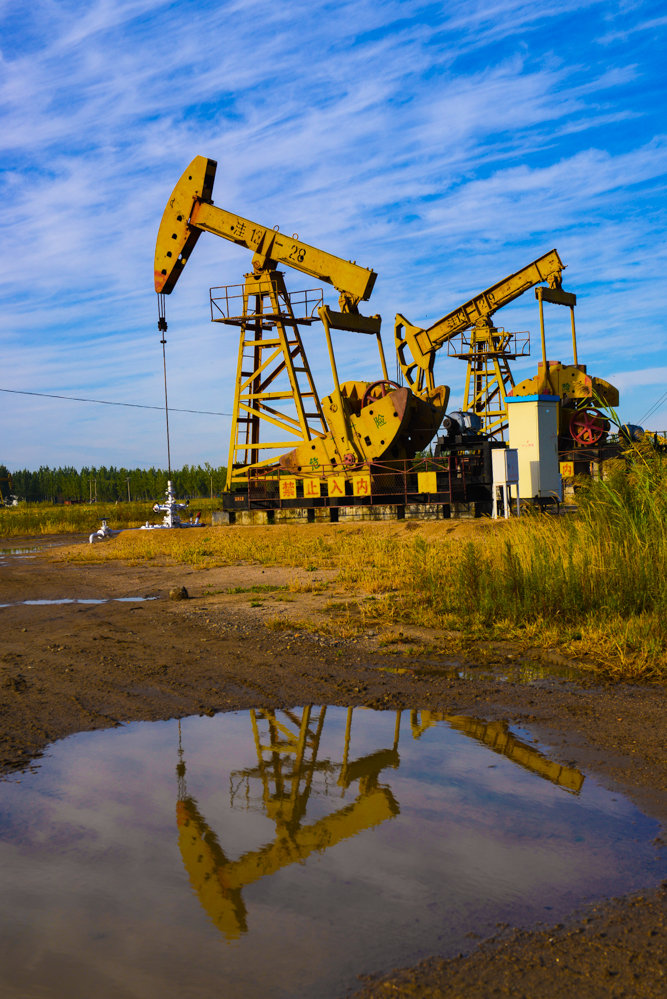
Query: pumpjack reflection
x=287, y=744
x=496, y=736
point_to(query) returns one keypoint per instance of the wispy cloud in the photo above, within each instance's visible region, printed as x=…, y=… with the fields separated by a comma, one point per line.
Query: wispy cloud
x=443, y=145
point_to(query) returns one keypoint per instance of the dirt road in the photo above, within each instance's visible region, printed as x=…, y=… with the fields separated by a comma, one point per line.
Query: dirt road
x=243, y=640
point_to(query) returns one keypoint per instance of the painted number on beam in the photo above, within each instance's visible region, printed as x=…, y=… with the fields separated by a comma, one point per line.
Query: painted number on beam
x=297, y=253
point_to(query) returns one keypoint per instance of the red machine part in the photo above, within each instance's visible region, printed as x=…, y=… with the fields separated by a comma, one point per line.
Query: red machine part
x=378, y=390
x=588, y=426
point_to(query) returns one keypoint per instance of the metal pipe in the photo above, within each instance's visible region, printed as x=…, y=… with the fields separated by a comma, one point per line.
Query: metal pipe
x=544, y=344
x=382, y=358
x=348, y=728
x=574, y=336
x=332, y=359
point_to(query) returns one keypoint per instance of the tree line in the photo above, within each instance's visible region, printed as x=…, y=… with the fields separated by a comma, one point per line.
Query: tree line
x=89, y=485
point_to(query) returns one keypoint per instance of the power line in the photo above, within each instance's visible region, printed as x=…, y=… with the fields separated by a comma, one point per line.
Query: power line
x=105, y=402
x=655, y=407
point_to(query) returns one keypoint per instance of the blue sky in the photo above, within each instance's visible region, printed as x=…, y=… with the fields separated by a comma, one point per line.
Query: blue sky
x=442, y=144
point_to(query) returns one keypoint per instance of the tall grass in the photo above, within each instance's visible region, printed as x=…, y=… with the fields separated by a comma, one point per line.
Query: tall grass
x=596, y=580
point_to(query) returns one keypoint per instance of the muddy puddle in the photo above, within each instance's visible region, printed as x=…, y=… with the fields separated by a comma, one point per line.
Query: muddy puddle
x=18, y=552
x=283, y=853
x=77, y=600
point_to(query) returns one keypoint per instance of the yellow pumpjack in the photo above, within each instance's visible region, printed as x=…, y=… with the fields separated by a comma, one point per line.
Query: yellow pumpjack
x=360, y=421
x=468, y=333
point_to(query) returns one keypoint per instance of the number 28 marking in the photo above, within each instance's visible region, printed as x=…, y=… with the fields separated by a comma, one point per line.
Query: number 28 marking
x=297, y=253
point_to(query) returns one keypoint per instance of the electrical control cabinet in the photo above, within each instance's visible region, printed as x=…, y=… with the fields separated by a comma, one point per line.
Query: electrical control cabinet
x=533, y=432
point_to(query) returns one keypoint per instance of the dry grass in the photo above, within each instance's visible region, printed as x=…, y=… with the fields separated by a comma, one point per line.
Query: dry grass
x=82, y=518
x=592, y=586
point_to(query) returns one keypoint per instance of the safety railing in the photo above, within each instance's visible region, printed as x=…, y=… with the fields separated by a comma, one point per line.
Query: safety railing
x=470, y=344
x=227, y=303
x=462, y=475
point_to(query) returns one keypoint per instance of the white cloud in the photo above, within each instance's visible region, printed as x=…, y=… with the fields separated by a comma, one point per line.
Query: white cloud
x=443, y=146
x=644, y=376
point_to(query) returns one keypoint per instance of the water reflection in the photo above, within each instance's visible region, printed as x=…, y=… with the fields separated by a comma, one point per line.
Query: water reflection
x=287, y=745
x=309, y=846
x=496, y=736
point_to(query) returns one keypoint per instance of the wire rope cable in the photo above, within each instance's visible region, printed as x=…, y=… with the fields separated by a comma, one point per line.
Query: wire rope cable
x=162, y=328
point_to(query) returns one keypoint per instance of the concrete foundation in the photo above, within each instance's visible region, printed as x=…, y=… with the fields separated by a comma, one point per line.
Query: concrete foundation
x=247, y=517
x=466, y=511
x=427, y=511
x=348, y=514
x=220, y=518
x=292, y=515
x=383, y=512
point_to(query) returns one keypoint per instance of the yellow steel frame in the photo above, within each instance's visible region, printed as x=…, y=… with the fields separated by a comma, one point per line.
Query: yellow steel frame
x=263, y=362
x=488, y=378
x=488, y=374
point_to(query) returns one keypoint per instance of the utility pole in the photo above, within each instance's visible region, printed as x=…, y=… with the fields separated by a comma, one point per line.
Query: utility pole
x=128, y=488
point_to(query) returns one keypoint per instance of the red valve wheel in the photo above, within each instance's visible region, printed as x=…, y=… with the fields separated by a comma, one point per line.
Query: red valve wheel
x=378, y=390
x=588, y=426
